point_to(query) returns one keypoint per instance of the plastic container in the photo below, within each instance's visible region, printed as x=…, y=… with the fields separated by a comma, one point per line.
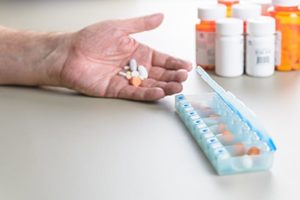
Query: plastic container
x=287, y=16
x=229, y=47
x=260, y=61
x=228, y=142
x=205, y=34
x=228, y=4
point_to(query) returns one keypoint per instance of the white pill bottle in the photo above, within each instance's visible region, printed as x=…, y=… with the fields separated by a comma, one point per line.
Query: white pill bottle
x=260, y=61
x=229, y=47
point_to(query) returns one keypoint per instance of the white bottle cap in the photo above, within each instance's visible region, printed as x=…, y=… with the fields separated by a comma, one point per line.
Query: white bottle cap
x=211, y=12
x=261, y=26
x=230, y=26
x=286, y=3
x=246, y=11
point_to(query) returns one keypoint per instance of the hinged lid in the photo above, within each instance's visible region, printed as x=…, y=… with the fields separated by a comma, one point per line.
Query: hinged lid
x=238, y=107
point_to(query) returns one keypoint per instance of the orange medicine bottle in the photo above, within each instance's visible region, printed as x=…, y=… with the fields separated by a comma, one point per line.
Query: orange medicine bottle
x=287, y=16
x=206, y=34
x=228, y=4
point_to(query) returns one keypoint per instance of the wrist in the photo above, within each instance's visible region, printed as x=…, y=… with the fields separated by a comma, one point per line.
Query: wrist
x=29, y=58
x=51, y=66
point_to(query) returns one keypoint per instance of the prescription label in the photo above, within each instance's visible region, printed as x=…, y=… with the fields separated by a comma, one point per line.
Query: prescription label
x=278, y=40
x=205, y=49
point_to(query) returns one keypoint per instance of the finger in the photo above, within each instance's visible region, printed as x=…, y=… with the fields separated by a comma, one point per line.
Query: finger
x=169, y=62
x=162, y=74
x=141, y=93
x=141, y=24
x=169, y=88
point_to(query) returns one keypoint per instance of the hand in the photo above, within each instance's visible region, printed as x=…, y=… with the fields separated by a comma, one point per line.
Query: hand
x=98, y=52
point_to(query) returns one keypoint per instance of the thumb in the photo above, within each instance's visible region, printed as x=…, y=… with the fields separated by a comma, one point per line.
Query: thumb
x=141, y=24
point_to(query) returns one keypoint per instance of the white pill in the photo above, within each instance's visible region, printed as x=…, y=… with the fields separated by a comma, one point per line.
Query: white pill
x=143, y=72
x=121, y=73
x=135, y=74
x=126, y=67
x=133, y=65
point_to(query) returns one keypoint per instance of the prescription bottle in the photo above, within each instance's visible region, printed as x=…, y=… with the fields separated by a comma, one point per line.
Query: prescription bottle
x=246, y=11
x=260, y=43
x=287, y=16
x=228, y=4
x=205, y=34
x=229, y=47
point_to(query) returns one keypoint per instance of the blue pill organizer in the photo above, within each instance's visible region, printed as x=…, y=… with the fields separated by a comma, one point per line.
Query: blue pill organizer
x=228, y=133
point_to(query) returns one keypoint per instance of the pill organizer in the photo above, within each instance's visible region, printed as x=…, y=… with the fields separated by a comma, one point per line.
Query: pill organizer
x=228, y=132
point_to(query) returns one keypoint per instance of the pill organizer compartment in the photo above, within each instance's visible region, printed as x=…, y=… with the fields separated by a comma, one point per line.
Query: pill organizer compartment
x=226, y=130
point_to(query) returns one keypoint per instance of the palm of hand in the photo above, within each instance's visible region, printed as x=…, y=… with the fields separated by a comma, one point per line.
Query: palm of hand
x=100, y=51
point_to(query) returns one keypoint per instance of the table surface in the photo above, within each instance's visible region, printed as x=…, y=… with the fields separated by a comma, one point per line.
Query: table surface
x=58, y=145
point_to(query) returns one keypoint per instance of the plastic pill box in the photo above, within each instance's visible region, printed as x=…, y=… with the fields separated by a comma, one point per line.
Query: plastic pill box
x=228, y=133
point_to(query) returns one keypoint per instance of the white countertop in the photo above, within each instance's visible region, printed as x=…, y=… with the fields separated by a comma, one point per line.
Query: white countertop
x=58, y=145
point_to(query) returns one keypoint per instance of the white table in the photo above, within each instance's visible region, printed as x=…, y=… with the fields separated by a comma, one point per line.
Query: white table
x=58, y=145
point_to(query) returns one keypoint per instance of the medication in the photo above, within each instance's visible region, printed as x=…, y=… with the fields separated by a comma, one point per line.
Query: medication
x=134, y=74
x=232, y=151
x=228, y=4
x=229, y=48
x=133, y=65
x=135, y=81
x=287, y=16
x=142, y=72
x=239, y=149
x=245, y=12
x=205, y=34
x=260, y=47
x=253, y=151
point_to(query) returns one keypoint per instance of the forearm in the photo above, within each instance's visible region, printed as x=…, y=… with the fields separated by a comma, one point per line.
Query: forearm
x=28, y=58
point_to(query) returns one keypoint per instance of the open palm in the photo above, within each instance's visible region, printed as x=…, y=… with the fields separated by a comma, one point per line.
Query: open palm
x=100, y=51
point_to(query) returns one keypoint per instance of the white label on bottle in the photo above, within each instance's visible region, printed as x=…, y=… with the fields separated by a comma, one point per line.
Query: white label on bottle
x=278, y=40
x=205, y=48
x=260, y=56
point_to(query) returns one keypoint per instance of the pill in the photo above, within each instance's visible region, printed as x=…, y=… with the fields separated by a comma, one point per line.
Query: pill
x=126, y=67
x=253, y=151
x=143, y=72
x=121, y=73
x=135, y=81
x=226, y=132
x=228, y=138
x=135, y=74
x=222, y=127
x=133, y=65
x=128, y=75
x=239, y=149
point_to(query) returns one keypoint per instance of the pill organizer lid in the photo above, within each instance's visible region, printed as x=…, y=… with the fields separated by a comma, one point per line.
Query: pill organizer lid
x=286, y=3
x=246, y=11
x=261, y=26
x=239, y=108
x=211, y=12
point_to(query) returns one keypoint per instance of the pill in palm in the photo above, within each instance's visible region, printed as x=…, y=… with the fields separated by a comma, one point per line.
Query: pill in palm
x=143, y=72
x=133, y=65
x=128, y=75
x=121, y=73
x=135, y=74
x=135, y=81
